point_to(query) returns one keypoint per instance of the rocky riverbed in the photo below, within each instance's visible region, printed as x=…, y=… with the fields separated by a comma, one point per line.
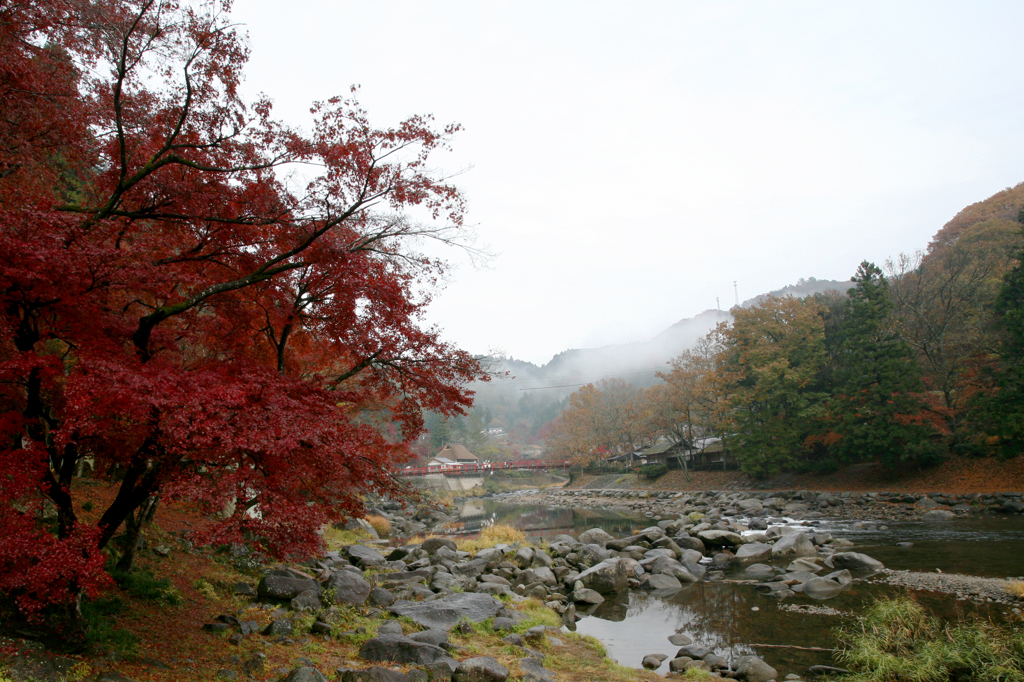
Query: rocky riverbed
x=795, y=504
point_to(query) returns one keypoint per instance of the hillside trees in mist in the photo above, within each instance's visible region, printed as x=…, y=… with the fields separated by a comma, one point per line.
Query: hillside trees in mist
x=771, y=362
x=877, y=407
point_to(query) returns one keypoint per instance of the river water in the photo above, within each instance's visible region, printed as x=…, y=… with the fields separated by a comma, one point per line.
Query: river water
x=734, y=619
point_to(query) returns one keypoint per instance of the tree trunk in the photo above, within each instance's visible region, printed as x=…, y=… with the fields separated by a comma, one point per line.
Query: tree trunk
x=133, y=524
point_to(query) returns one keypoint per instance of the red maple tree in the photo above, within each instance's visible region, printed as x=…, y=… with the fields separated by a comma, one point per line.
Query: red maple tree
x=179, y=310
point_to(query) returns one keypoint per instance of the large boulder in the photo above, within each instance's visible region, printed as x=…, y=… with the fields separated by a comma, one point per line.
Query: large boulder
x=480, y=669
x=752, y=553
x=753, y=669
x=720, y=538
x=794, y=544
x=607, y=577
x=304, y=674
x=374, y=673
x=446, y=611
x=595, y=536
x=365, y=556
x=280, y=587
x=660, y=581
x=592, y=554
x=349, y=587
x=751, y=506
x=431, y=545
x=532, y=670
x=822, y=588
x=855, y=561
x=400, y=649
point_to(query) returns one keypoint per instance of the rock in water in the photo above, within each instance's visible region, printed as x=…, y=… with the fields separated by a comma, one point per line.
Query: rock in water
x=607, y=577
x=855, y=561
x=753, y=669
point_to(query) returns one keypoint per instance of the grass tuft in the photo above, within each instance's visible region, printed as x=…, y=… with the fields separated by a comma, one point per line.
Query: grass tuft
x=898, y=640
x=498, y=534
x=379, y=524
x=1015, y=588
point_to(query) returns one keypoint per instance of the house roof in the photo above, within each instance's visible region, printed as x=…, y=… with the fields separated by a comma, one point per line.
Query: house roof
x=458, y=452
x=662, y=447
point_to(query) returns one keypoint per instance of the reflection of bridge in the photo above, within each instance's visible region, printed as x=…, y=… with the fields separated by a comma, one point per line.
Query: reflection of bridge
x=477, y=469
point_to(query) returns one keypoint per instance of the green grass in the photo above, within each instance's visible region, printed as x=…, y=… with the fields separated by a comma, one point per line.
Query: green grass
x=142, y=584
x=100, y=614
x=898, y=641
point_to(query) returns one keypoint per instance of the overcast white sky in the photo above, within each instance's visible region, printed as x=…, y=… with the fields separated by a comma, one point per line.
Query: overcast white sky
x=631, y=160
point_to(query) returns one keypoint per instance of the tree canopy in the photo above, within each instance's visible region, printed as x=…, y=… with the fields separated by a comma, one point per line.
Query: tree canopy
x=196, y=297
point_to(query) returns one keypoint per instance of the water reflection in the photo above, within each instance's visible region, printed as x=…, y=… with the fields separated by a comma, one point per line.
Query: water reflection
x=541, y=522
x=721, y=615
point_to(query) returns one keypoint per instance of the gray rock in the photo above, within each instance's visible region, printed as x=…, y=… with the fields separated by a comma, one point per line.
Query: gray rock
x=591, y=555
x=759, y=569
x=678, y=665
x=607, y=577
x=281, y=626
x=480, y=669
x=304, y=674
x=753, y=669
x=803, y=566
x=431, y=545
x=855, y=561
x=523, y=557
x=306, y=601
x=720, y=538
x=794, y=544
x=349, y=587
x=586, y=596
x=653, y=661
x=822, y=588
x=244, y=590
x=596, y=536
x=400, y=649
x=280, y=587
x=693, y=651
x=938, y=515
x=660, y=581
x=445, y=612
x=365, y=556
x=381, y=597
x=752, y=553
x=373, y=674
x=679, y=639
x=435, y=637
x=716, y=662
x=390, y=627
x=532, y=670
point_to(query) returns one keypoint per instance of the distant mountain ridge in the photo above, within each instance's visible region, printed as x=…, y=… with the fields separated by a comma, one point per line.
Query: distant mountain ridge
x=636, y=362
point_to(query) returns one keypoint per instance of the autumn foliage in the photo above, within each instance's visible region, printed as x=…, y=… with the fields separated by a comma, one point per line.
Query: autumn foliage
x=195, y=297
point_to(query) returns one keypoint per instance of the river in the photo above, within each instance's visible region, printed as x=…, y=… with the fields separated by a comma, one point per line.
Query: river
x=734, y=619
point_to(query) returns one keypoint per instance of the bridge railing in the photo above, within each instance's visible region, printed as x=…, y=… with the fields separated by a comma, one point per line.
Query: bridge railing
x=525, y=465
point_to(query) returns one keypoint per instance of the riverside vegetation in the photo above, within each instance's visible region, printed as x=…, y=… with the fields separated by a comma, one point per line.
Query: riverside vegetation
x=487, y=608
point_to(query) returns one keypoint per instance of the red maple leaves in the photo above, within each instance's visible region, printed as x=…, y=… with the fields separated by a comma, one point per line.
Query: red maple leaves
x=177, y=309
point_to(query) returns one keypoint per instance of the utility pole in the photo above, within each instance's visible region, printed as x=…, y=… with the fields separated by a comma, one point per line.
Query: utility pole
x=718, y=302
x=736, y=291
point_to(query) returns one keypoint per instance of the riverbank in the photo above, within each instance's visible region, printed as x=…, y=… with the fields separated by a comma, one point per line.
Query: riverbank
x=958, y=475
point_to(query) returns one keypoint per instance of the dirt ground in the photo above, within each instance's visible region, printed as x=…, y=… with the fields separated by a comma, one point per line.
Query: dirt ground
x=956, y=475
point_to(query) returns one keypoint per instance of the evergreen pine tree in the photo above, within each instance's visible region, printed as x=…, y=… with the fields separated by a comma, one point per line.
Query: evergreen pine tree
x=1006, y=406
x=877, y=408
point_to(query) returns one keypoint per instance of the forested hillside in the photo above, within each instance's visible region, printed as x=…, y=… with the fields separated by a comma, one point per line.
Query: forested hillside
x=921, y=359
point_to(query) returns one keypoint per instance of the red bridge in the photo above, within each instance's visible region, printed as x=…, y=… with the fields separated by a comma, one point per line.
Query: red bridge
x=478, y=469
